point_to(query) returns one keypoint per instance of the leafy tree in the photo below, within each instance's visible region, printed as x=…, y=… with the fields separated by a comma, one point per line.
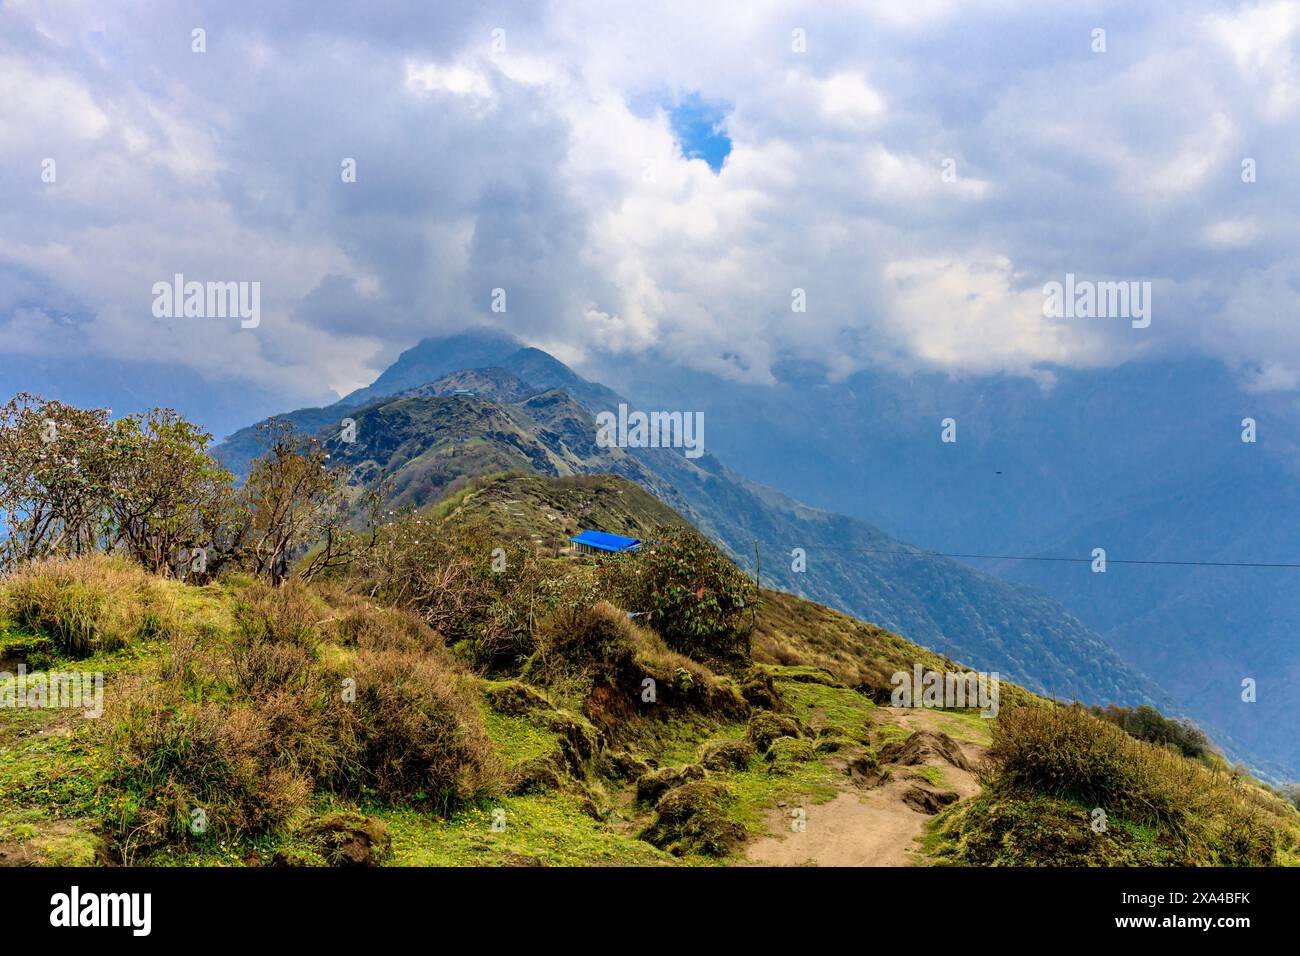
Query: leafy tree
x=689, y=592
x=292, y=502
x=72, y=481
x=54, y=479
x=168, y=498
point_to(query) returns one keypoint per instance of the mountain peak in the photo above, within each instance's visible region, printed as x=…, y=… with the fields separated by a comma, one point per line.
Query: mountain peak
x=431, y=358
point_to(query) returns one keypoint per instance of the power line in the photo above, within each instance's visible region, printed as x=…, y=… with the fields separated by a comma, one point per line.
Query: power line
x=1024, y=557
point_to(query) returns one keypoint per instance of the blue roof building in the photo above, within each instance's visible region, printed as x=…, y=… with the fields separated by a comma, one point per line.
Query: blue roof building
x=601, y=542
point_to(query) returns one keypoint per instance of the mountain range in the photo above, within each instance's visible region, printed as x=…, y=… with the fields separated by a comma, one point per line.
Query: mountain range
x=475, y=403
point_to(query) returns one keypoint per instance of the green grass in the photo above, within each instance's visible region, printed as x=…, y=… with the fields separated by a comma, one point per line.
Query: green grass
x=1058, y=769
x=965, y=725
x=1041, y=831
x=540, y=830
x=818, y=704
x=53, y=764
x=518, y=738
x=50, y=766
x=677, y=741
x=932, y=775
x=757, y=791
x=545, y=830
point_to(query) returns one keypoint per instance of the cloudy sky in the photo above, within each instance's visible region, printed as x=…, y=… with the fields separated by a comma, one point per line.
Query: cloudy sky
x=643, y=175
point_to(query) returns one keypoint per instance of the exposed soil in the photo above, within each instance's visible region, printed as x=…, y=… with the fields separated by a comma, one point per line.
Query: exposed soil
x=878, y=819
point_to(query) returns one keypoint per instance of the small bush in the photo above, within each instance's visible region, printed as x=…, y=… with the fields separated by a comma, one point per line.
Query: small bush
x=291, y=614
x=183, y=772
x=690, y=593
x=386, y=629
x=1065, y=751
x=263, y=667
x=246, y=729
x=599, y=654
x=349, y=839
x=682, y=682
x=1197, y=814
x=599, y=641
x=442, y=568
x=87, y=605
x=414, y=735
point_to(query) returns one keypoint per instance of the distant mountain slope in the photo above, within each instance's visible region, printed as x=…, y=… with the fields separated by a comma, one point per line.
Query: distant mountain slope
x=427, y=444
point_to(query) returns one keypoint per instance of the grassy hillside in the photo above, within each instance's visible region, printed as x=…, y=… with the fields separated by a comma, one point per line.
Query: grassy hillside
x=323, y=725
x=549, y=511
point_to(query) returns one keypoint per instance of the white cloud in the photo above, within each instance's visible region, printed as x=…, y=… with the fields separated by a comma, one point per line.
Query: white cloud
x=847, y=96
x=1227, y=233
x=452, y=78
x=530, y=169
x=1262, y=38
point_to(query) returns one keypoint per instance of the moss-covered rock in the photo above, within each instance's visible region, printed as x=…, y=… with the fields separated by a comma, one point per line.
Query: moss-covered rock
x=766, y=726
x=759, y=690
x=579, y=738
x=654, y=784
x=349, y=839
x=515, y=698
x=692, y=818
x=787, y=751
x=622, y=765
x=539, y=775
x=832, y=745
x=723, y=755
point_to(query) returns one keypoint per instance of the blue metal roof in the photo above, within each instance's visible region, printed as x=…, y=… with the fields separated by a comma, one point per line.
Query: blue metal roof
x=606, y=542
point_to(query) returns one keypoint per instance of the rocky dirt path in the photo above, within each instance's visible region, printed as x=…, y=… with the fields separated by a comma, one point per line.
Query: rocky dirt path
x=879, y=822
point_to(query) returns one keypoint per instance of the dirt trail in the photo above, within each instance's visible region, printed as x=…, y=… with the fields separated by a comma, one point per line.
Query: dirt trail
x=879, y=826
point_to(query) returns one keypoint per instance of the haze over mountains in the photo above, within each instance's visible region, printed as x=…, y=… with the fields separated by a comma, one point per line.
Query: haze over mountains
x=1145, y=460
